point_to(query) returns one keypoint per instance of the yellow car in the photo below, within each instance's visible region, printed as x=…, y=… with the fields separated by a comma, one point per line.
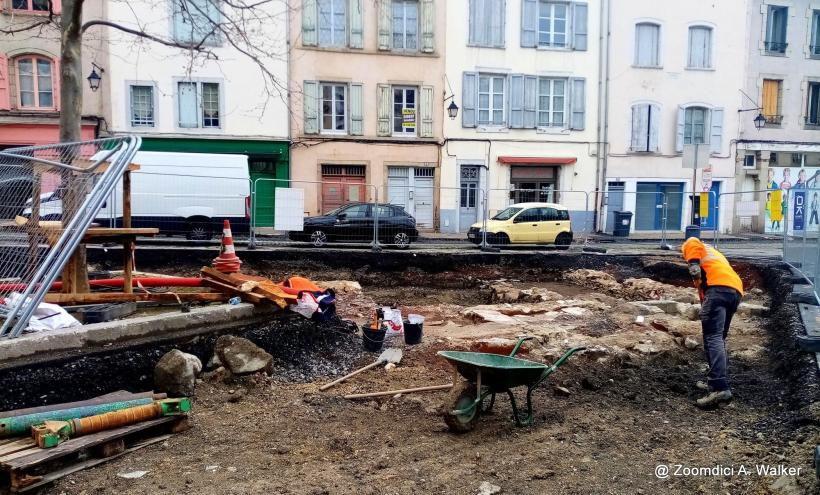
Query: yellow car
x=527, y=223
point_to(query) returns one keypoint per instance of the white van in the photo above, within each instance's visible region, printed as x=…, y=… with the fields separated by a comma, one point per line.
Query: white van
x=179, y=193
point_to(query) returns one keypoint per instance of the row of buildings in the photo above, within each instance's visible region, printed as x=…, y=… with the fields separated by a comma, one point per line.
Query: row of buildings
x=437, y=105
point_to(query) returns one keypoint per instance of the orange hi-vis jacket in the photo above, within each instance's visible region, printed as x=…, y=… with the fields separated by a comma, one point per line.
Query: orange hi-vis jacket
x=712, y=262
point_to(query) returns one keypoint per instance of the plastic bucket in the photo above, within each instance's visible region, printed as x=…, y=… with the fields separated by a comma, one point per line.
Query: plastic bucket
x=412, y=332
x=372, y=338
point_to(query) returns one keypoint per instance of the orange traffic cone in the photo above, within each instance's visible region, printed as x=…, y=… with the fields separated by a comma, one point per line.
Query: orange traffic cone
x=227, y=261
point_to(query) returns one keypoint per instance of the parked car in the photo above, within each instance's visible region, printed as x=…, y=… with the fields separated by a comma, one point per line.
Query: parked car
x=179, y=193
x=527, y=223
x=356, y=221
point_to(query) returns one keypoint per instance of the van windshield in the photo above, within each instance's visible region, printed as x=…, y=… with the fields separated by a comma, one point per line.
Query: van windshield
x=506, y=214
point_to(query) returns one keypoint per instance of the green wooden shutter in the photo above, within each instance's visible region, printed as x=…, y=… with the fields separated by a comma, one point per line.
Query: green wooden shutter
x=310, y=14
x=356, y=110
x=384, y=110
x=311, y=107
x=385, y=24
x=428, y=26
x=426, y=112
x=356, y=23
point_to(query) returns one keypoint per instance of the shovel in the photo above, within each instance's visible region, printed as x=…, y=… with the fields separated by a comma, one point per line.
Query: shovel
x=388, y=356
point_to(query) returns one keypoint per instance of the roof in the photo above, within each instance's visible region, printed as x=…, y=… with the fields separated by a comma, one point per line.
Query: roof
x=537, y=160
x=539, y=205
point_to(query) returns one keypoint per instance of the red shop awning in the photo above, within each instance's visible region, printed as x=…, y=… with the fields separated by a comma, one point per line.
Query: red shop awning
x=536, y=160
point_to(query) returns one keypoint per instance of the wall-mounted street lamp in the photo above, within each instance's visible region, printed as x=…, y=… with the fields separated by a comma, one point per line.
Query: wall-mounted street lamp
x=760, y=120
x=94, y=78
x=452, y=110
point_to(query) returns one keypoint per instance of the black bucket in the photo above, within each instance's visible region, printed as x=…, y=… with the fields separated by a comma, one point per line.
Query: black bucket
x=372, y=339
x=412, y=332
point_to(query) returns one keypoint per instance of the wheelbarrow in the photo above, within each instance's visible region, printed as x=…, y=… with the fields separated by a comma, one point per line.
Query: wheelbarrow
x=487, y=375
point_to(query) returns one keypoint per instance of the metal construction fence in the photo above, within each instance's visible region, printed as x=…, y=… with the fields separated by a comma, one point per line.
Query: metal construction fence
x=801, y=239
x=49, y=196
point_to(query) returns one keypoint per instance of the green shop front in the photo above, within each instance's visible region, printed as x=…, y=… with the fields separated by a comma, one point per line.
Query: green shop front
x=268, y=163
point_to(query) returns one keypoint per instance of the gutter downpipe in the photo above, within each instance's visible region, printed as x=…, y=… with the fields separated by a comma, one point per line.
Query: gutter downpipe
x=604, y=76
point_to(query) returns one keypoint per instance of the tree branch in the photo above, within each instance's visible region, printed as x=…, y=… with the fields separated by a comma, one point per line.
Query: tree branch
x=142, y=34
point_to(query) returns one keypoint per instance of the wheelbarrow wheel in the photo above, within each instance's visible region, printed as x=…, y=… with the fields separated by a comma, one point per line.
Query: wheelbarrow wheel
x=462, y=396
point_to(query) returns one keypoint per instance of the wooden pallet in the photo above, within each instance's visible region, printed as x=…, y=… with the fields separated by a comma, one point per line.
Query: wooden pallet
x=24, y=466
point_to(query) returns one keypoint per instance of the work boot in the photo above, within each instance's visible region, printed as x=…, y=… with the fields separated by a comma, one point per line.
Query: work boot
x=702, y=385
x=714, y=399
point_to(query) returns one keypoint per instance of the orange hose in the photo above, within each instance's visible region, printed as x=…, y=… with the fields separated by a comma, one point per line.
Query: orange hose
x=115, y=419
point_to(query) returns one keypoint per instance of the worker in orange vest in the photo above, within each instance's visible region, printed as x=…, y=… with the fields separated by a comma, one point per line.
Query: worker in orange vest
x=720, y=290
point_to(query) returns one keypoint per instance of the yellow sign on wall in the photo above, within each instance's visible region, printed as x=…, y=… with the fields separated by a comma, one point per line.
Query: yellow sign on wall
x=776, y=205
x=704, y=205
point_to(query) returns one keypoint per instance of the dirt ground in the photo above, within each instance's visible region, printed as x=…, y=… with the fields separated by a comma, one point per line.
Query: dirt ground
x=629, y=407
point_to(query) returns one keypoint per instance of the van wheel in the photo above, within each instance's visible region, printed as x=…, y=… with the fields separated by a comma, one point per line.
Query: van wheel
x=563, y=241
x=198, y=231
x=501, y=239
x=401, y=240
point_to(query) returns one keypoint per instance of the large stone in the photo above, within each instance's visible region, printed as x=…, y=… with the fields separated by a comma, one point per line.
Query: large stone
x=667, y=306
x=348, y=287
x=488, y=315
x=176, y=372
x=752, y=309
x=645, y=348
x=241, y=356
x=645, y=309
x=505, y=293
x=691, y=343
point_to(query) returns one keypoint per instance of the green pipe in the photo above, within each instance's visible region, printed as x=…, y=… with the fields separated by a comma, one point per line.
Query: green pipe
x=21, y=425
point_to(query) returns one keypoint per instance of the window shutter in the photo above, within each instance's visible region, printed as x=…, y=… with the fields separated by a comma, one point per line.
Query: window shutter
x=529, y=18
x=384, y=110
x=355, y=18
x=716, y=134
x=680, y=128
x=638, y=128
x=578, y=117
x=469, y=97
x=311, y=107
x=385, y=24
x=188, y=102
x=654, y=127
x=478, y=24
x=5, y=100
x=310, y=14
x=56, y=81
x=516, y=101
x=428, y=26
x=579, y=26
x=356, y=110
x=496, y=9
x=530, y=101
x=426, y=112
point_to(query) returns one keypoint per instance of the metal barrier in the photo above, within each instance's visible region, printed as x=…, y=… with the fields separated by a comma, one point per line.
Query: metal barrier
x=51, y=195
x=746, y=209
x=801, y=242
x=649, y=213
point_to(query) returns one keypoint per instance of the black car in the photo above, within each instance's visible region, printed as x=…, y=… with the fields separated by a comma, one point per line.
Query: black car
x=355, y=222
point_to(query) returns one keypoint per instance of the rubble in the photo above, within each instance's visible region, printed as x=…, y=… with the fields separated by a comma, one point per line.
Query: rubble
x=691, y=343
x=241, y=356
x=176, y=373
x=749, y=309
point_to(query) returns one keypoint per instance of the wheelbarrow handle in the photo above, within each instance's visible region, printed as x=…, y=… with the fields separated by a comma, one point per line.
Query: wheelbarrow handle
x=520, y=342
x=566, y=356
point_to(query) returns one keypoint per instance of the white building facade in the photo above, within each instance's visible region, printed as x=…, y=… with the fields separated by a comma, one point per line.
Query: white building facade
x=524, y=75
x=674, y=75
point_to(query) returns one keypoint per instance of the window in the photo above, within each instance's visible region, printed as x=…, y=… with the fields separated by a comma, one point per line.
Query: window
x=198, y=105
x=491, y=100
x=33, y=5
x=815, y=34
x=647, y=43
x=332, y=23
x=405, y=24
x=35, y=82
x=142, y=105
x=552, y=24
x=385, y=211
x=646, y=119
x=772, y=91
x=530, y=215
x=813, y=114
x=404, y=111
x=197, y=22
x=700, y=47
x=551, y=102
x=696, y=120
x=334, y=107
x=487, y=22
x=776, y=22
x=356, y=211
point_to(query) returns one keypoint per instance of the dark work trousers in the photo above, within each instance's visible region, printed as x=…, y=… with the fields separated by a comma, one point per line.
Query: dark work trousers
x=719, y=305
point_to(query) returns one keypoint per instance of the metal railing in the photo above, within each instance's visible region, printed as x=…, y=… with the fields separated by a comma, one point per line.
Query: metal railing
x=51, y=196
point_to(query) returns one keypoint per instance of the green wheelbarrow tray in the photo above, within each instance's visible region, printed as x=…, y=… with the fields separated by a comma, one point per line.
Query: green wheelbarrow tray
x=495, y=373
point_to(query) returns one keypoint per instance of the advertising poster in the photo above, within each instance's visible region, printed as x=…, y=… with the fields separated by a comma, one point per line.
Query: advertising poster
x=794, y=199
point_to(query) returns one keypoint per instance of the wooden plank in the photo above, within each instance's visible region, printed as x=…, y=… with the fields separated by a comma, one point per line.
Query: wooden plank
x=128, y=266
x=102, y=167
x=16, y=446
x=77, y=444
x=227, y=289
x=19, y=454
x=55, y=475
x=110, y=297
x=221, y=277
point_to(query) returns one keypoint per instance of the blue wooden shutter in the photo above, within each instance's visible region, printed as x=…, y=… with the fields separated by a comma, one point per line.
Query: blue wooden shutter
x=529, y=21
x=579, y=26
x=578, y=107
x=716, y=133
x=654, y=128
x=530, y=101
x=355, y=17
x=517, y=101
x=680, y=129
x=469, y=97
x=310, y=14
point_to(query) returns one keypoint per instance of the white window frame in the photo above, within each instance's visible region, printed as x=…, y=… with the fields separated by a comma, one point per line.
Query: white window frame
x=552, y=96
x=128, y=105
x=404, y=90
x=491, y=108
x=707, y=124
x=404, y=48
x=334, y=43
x=551, y=32
x=768, y=27
x=710, y=55
x=635, y=58
x=346, y=100
x=200, y=128
x=35, y=58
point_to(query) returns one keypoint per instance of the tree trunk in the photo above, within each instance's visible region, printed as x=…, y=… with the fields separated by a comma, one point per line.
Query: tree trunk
x=75, y=275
